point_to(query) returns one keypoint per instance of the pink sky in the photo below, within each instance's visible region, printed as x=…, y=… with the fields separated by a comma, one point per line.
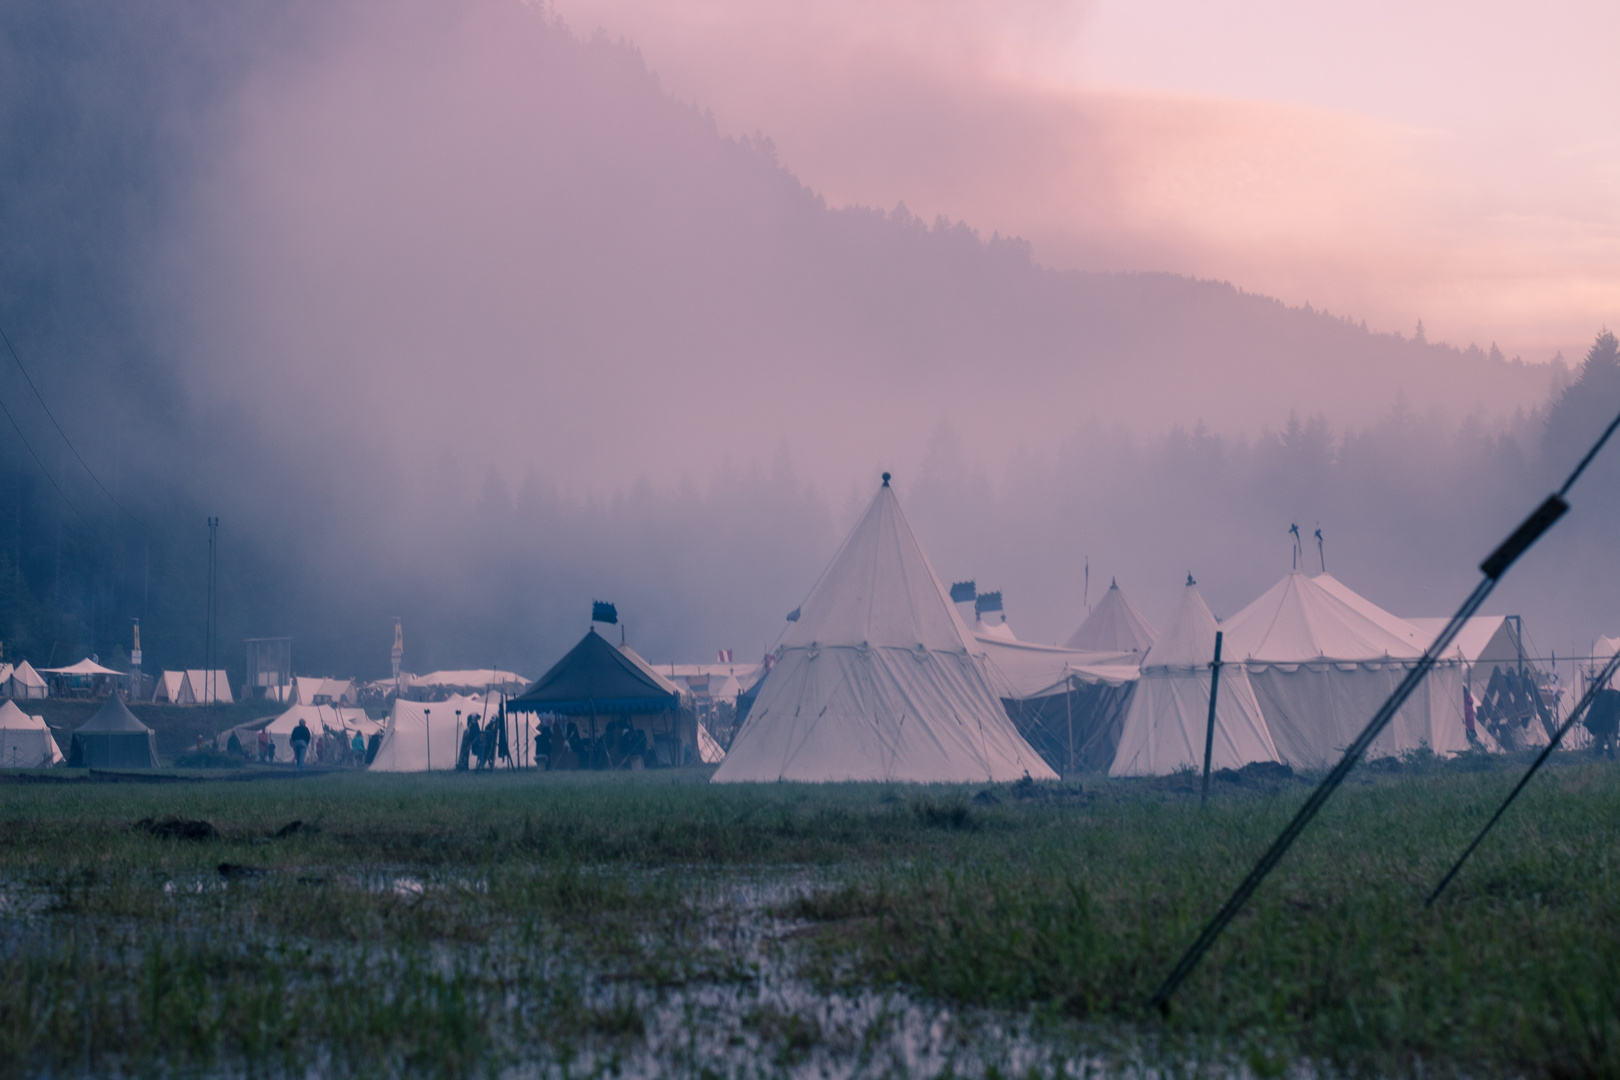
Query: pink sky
x=1458, y=163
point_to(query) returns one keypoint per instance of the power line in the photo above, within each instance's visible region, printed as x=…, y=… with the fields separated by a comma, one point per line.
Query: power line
x=40, y=398
x=46, y=471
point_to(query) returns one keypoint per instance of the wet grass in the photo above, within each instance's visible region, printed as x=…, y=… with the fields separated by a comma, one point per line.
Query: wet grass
x=456, y=924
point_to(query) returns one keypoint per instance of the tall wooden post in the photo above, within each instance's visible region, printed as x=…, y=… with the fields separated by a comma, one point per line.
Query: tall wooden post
x=1209, y=729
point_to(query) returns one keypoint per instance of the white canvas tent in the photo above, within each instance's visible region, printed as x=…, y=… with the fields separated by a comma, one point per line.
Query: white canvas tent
x=709, y=751
x=308, y=690
x=1068, y=704
x=468, y=681
x=209, y=687
x=1320, y=668
x=25, y=741
x=1114, y=625
x=419, y=736
x=26, y=683
x=173, y=688
x=1167, y=725
x=879, y=679
x=318, y=718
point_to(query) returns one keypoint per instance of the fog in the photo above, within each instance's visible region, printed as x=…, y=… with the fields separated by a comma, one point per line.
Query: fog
x=456, y=315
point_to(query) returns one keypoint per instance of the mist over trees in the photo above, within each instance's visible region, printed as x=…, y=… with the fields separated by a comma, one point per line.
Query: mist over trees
x=454, y=316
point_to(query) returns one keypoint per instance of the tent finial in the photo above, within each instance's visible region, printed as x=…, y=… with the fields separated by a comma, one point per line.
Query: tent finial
x=1190, y=580
x=885, y=479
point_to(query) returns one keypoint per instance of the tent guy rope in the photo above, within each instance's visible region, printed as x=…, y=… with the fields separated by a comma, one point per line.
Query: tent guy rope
x=1575, y=715
x=1494, y=566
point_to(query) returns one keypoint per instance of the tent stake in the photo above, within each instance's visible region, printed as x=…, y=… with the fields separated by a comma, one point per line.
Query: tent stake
x=1209, y=728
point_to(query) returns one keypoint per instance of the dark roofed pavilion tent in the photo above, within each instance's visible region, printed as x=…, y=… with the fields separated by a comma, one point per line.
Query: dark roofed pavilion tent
x=113, y=739
x=616, y=706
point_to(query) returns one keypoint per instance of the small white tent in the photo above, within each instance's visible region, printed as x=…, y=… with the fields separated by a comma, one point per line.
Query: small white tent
x=26, y=683
x=173, y=689
x=25, y=741
x=1168, y=721
x=879, y=679
x=209, y=687
x=419, y=736
x=1321, y=668
x=1114, y=625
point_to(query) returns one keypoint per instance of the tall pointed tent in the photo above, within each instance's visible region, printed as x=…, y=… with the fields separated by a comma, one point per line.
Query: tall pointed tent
x=26, y=683
x=1167, y=725
x=1114, y=625
x=609, y=694
x=596, y=678
x=1321, y=667
x=25, y=741
x=113, y=739
x=879, y=678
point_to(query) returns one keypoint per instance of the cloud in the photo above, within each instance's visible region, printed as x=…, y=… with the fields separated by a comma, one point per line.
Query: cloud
x=986, y=113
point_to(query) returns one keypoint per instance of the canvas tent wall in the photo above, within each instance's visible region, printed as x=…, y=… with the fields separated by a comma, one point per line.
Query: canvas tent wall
x=879, y=679
x=328, y=719
x=26, y=683
x=1167, y=726
x=25, y=741
x=1114, y=625
x=1518, y=700
x=113, y=739
x=210, y=687
x=598, y=686
x=1067, y=704
x=463, y=681
x=423, y=736
x=1320, y=668
x=172, y=688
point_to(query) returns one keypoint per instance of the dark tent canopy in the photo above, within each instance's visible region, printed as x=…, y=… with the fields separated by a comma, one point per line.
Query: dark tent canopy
x=595, y=678
x=113, y=739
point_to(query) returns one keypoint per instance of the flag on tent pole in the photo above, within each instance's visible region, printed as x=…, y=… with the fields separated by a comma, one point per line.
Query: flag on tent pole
x=724, y=656
x=603, y=613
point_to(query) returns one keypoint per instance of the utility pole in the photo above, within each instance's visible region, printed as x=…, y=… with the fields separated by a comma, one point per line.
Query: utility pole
x=211, y=623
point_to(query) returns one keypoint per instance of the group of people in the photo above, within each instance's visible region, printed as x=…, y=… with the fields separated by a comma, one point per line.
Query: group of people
x=331, y=747
x=480, y=746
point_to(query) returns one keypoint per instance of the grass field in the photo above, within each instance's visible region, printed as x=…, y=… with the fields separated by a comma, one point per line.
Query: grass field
x=460, y=924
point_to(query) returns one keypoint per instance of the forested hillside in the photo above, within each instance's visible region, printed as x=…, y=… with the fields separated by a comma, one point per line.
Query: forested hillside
x=455, y=316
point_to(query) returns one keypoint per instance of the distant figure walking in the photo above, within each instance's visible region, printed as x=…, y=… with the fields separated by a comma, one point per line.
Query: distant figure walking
x=300, y=743
x=267, y=748
x=358, y=745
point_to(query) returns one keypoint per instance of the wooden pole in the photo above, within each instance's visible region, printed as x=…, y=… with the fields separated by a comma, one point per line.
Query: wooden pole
x=1209, y=728
x=1068, y=706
